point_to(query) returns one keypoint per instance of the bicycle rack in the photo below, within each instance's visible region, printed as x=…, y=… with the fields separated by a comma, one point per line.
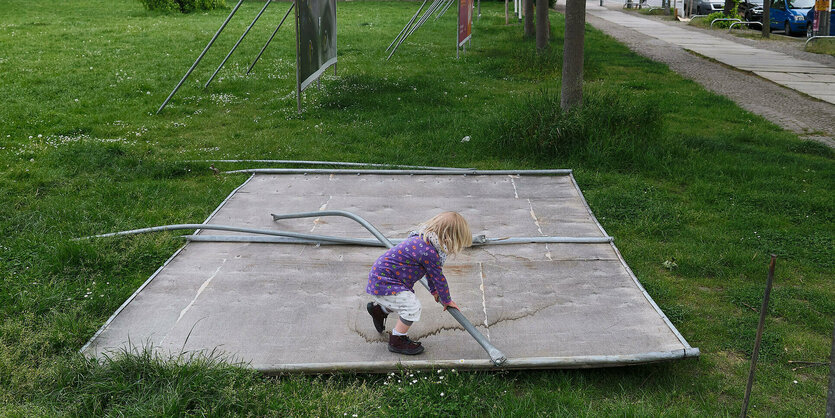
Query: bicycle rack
x=816, y=37
x=744, y=23
x=724, y=19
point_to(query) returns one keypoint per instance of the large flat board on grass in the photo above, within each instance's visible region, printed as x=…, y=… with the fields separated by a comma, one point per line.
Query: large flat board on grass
x=289, y=307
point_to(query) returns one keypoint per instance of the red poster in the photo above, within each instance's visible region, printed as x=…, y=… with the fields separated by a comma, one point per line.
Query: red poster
x=465, y=20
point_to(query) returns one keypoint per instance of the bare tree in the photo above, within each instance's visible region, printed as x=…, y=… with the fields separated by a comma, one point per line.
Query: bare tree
x=542, y=25
x=529, y=29
x=572, y=58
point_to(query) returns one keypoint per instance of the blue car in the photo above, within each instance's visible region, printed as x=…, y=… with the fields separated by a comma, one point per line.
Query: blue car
x=790, y=15
x=810, y=23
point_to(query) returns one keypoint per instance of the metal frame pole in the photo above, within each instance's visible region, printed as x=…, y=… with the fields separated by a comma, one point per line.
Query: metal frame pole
x=402, y=31
x=449, y=3
x=495, y=354
x=830, y=402
x=756, y=353
x=206, y=49
x=432, y=9
x=298, y=75
x=293, y=4
x=428, y=12
x=176, y=227
x=237, y=43
x=478, y=240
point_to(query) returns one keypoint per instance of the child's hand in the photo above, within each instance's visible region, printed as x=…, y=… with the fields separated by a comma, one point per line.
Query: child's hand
x=451, y=304
x=437, y=299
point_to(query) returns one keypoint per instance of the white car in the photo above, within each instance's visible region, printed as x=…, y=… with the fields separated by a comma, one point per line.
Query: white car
x=702, y=7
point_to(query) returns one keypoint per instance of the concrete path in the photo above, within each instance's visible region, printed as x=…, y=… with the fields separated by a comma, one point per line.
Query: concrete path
x=810, y=78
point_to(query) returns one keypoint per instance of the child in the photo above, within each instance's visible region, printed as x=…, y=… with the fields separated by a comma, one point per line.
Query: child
x=393, y=276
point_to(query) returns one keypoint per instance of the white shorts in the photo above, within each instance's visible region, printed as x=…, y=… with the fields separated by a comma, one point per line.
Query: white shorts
x=405, y=303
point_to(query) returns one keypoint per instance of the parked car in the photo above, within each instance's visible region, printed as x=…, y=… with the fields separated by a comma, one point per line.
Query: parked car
x=752, y=10
x=703, y=7
x=790, y=15
x=810, y=22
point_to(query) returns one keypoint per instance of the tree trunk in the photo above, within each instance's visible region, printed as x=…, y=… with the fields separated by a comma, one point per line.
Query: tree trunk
x=766, y=18
x=572, y=58
x=528, y=9
x=541, y=25
x=729, y=8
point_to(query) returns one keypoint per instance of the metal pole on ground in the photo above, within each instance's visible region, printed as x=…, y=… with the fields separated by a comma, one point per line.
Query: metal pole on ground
x=237, y=43
x=756, y=353
x=293, y=4
x=206, y=49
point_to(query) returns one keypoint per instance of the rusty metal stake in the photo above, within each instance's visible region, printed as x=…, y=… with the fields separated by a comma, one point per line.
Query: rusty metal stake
x=830, y=403
x=756, y=353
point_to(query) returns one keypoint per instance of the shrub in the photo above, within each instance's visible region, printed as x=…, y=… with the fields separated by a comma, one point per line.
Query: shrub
x=613, y=127
x=721, y=15
x=183, y=6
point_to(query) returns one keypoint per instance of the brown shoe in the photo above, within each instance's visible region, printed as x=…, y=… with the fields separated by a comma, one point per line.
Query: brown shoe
x=377, y=315
x=404, y=345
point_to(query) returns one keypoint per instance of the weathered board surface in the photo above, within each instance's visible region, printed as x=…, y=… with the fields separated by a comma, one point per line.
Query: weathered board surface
x=297, y=307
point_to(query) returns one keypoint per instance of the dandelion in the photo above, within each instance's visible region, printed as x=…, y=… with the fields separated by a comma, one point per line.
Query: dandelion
x=442, y=394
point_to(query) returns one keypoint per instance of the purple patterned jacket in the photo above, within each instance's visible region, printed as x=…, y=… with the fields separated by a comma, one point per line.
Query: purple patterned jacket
x=403, y=265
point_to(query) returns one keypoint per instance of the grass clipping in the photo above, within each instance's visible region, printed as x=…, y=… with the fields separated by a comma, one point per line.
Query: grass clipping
x=613, y=128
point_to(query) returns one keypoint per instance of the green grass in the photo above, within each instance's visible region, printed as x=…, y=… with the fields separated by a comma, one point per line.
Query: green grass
x=697, y=180
x=821, y=46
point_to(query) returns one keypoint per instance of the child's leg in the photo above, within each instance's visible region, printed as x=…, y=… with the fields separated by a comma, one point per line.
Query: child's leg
x=402, y=326
x=408, y=309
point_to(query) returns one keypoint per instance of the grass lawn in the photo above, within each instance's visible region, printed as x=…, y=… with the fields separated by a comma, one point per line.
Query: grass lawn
x=677, y=173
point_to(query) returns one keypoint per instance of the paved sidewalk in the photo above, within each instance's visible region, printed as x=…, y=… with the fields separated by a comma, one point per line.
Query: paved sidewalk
x=810, y=78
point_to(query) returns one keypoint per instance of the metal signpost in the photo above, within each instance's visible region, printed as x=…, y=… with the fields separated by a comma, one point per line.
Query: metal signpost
x=822, y=18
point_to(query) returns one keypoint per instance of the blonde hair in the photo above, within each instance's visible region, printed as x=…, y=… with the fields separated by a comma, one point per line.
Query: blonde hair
x=452, y=230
